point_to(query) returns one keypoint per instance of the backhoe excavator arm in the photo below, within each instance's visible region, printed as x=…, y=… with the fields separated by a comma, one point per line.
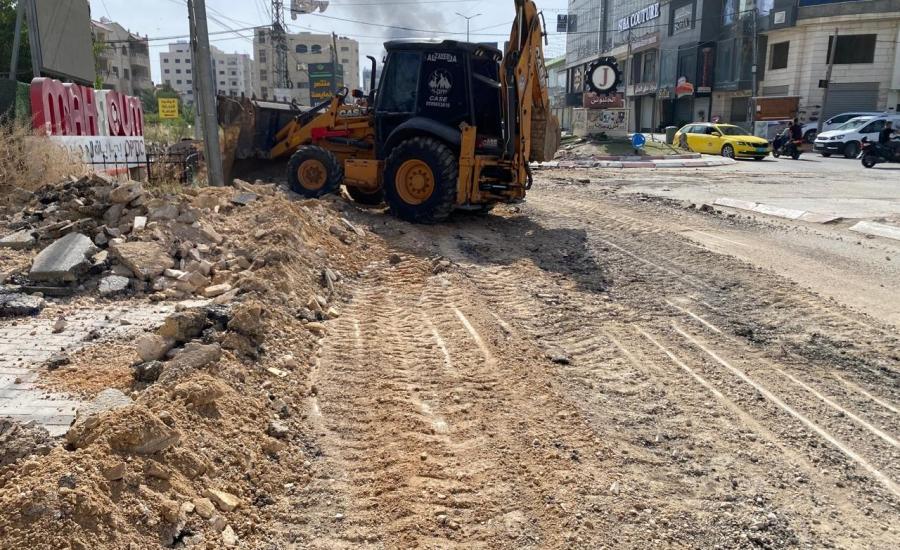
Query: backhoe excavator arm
x=532, y=130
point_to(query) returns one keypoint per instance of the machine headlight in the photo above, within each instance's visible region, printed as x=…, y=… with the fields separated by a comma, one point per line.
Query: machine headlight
x=837, y=138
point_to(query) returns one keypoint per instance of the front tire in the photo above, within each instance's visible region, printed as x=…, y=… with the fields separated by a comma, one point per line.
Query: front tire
x=728, y=151
x=869, y=161
x=851, y=150
x=826, y=155
x=314, y=172
x=420, y=180
x=810, y=137
x=758, y=158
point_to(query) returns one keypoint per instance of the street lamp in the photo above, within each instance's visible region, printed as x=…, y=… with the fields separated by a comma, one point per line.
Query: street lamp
x=468, y=18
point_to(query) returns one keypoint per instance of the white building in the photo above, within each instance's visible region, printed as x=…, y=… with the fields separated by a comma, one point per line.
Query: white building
x=233, y=72
x=306, y=53
x=866, y=75
x=123, y=63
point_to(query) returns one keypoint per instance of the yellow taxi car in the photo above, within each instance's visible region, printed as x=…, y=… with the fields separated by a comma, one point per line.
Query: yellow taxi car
x=722, y=139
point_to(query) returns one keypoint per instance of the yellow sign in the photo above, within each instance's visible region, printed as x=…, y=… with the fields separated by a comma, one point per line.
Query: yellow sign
x=168, y=108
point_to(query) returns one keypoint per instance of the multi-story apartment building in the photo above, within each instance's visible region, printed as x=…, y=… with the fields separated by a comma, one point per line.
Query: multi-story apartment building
x=233, y=72
x=307, y=53
x=797, y=42
x=702, y=60
x=123, y=64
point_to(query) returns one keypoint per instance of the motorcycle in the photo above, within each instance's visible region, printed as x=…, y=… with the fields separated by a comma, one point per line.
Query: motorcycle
x=784, y=145
x=875, y=153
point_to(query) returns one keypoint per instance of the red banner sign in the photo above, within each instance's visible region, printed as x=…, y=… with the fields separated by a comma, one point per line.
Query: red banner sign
x=72, y=110
x=599, y=101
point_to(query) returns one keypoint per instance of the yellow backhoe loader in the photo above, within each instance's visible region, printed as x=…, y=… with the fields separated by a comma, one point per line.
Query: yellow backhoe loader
x=451, y=125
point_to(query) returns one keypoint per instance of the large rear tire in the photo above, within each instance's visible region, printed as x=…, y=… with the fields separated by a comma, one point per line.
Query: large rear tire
x=314, y=172
x=364, y=197
x=420, y=179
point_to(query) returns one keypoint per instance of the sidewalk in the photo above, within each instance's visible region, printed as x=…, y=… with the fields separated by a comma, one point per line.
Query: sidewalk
x=674, y=161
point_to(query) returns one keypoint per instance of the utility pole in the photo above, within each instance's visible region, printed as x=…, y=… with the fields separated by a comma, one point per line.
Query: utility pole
x=203, y=66
x=334, y=60
x=468, y=19
x=17, y=39
x=198, y=100
x=754, y=69
x=279, y=45
x=33, y=42
x=824, y=112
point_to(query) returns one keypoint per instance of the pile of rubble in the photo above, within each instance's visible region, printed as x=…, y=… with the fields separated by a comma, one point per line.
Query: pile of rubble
x=204, y=446
x=94, y=232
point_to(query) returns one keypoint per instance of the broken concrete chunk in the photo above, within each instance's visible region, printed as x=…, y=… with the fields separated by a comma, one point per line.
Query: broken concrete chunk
x=114, y=472
x=19, y=441
x=20, y=305
x=20, y=240
x=64, y=261
x=184, y=325
x=160, y=211
x=126, y=192
x=204, y=508
x=243, y=199
x=113, y=285
x=153, y=347
x=86, y=417
x=193, y=357
x=216, y=290
x=225, y=502
x=139, y=223
x=148, y=372
x=229, y=538
x=146, y=260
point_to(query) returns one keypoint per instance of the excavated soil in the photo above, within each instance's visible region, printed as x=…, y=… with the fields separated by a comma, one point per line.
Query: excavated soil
x=567, y=373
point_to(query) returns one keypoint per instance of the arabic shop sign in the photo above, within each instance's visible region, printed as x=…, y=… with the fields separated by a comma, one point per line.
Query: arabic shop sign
x=639, y=17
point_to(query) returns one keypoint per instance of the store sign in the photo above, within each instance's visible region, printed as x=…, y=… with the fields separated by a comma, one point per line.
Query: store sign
x=639, y=17
x=682, y=19
x=324, y=79
x=168, y=108
x=684, y=88
x=644, y=88
x=604, y=76
x=90, y=123
x=603, y=101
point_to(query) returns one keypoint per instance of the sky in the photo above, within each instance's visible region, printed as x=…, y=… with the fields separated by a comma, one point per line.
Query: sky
x=370, y=22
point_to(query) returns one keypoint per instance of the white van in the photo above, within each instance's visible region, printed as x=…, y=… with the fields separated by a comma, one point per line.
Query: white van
x=847, y=139
x=810, y=129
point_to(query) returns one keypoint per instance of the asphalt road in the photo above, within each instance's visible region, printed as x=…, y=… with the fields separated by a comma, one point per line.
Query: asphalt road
x=836, y=186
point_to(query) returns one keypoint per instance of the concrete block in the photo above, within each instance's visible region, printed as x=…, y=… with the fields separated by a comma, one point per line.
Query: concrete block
x=877, y=230
x=64, y=260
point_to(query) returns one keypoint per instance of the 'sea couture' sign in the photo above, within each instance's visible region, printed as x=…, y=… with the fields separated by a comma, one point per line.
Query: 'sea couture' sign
x=639, y=17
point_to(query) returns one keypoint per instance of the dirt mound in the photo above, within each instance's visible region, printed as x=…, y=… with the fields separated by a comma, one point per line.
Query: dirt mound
x=211, y=445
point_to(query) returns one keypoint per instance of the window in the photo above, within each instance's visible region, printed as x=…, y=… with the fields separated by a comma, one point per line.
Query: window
x=264, y=92
x=127, y=75
x=402, y=83
x=177, y=71
x=221, y=83
x=177, y=61
x=262, y=56
x=115, y=71
x=165, y=60
x=345, y=48
x=261, y=37
x=167, y=71
x=221, y=62
x=124, y=50
x=177, y=82
x=840, y=119
x=873, y=128
x=853, y=48
x=649, y=73
x=179, y=51
x=168, y=82
x=779, y=56
x=316, y=48
x=233, y=73
x=263, y=75
x=729, y=10
x=188, y=71
x=302, y=85
x=234, y=83
x=302, y=48
x=189, y=82
x=222, y=73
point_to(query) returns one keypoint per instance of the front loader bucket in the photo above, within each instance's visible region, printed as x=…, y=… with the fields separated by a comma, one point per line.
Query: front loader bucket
x=249, y=127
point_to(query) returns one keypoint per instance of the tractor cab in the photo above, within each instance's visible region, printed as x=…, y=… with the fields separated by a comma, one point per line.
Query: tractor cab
x=434, y=88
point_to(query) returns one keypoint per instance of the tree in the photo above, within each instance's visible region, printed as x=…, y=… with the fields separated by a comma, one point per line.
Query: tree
x=7, y=32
